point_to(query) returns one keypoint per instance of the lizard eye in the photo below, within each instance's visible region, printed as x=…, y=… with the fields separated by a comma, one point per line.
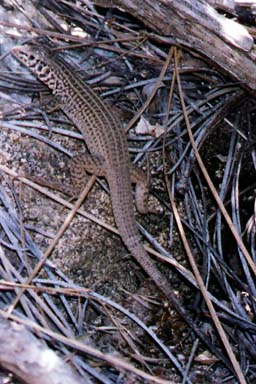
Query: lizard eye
x=29, y=59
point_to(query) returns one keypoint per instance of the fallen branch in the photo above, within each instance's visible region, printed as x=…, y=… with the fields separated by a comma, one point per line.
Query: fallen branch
x=30, y=359
x=198, y=26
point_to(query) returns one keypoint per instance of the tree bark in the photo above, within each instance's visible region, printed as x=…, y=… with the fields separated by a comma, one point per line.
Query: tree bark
x=196, y=25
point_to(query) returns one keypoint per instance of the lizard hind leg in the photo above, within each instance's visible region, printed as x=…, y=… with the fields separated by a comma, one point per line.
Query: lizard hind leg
x=139, y=178
x=85, y=162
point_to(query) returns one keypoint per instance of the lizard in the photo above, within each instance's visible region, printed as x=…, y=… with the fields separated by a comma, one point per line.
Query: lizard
x=103, y=134
x=107, y=144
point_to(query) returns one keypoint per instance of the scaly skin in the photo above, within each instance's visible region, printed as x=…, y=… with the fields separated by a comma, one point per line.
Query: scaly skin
x=105, y=139
x=107, y=144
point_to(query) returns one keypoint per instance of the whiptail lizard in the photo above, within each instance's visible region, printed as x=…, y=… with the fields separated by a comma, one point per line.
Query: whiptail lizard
x=106, y=141
x=107, y=144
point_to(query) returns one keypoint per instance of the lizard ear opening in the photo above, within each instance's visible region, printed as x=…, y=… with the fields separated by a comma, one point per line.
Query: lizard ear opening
x=39, y=67
x=31, y=57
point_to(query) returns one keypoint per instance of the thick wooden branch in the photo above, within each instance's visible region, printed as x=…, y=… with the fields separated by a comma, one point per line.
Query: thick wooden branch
x=196, y=25
x=30, y=359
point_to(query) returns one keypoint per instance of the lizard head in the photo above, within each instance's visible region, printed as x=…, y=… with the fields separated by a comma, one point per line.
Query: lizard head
x=38, y=60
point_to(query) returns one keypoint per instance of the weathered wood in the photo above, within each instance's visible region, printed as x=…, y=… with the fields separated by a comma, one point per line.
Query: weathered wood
x=196, y=25
x=30, y=359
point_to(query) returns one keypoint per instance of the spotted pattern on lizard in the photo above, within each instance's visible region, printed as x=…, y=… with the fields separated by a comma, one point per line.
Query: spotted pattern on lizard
x=106, y=142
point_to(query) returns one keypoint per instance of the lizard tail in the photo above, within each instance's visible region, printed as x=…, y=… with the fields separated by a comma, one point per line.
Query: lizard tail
x=138, y=252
